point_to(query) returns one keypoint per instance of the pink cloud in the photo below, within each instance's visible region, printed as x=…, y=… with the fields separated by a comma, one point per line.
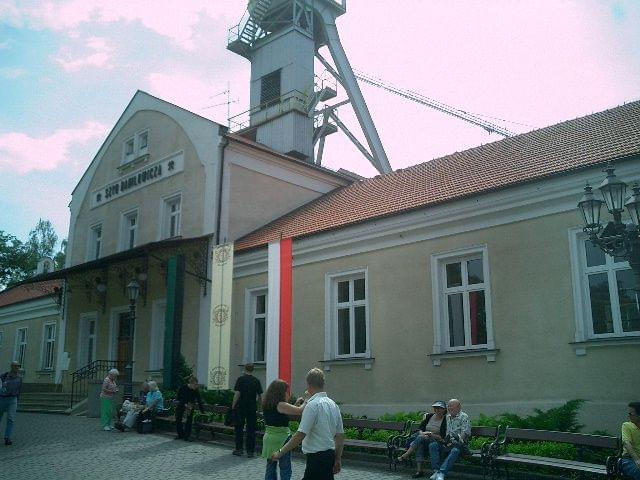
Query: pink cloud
x=99, y=56
x=21, y=153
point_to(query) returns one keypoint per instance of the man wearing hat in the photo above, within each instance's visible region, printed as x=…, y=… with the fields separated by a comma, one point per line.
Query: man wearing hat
x=11, y=383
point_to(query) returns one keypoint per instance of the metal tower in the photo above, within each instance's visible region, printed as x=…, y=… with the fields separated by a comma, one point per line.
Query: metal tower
x=281, y=39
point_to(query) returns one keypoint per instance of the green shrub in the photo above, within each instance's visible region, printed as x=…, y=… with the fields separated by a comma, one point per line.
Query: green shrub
x=217, y=397
x=402, y=417
x=560, y=419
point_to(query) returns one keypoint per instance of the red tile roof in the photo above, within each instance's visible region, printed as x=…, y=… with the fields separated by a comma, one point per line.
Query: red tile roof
x=28, y=291
x=610, y=135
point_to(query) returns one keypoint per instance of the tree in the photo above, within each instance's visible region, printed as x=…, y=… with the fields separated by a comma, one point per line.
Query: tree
x=42, y=240
x=14, y=260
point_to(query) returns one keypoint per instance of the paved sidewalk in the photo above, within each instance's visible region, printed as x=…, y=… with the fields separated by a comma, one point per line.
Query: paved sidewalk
x=61, y=447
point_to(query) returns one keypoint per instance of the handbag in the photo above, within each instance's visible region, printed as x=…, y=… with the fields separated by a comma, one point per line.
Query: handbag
x=130, y=419
x=231, y=417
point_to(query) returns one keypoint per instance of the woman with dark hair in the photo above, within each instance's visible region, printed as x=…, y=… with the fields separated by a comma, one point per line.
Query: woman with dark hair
x=276, y=411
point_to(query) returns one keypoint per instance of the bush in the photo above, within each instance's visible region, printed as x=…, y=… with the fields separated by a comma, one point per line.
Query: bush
x=560, y=419
x=217, y=397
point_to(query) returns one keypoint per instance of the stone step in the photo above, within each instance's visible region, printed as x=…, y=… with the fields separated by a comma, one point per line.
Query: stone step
x=44, y=395
x=27, y=404
x=53, y=411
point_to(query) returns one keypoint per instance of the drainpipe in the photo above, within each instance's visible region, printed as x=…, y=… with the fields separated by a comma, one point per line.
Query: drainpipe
x=219, y=184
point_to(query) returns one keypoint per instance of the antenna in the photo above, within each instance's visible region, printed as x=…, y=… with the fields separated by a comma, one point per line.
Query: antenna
x=228, y=102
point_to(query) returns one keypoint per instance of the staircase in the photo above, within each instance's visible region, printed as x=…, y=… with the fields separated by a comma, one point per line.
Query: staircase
x=242, y=37
x=44, y=402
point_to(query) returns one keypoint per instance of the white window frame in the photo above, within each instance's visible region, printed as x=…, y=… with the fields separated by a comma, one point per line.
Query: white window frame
x=156, y=346
x=125, y=229
x=331, y=314
x=84, y=334
x=250, y=295
x=20, y=357
x=92, y=240
x=581, y=294
x=439, y=291
x=44, y=364
x=165, y=223
x=136, y=149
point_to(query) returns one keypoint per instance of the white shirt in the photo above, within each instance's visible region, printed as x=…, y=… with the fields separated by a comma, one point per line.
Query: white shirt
x=320, y=422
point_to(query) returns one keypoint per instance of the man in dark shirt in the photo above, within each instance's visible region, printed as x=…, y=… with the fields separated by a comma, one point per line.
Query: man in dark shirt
x=247, y=394
x=188, y=396
x=9, y=392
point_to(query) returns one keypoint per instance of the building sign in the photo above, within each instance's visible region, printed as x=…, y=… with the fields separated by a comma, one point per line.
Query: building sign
x=137, y=179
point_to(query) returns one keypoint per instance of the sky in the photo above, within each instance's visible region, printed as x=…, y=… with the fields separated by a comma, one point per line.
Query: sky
x=69, y=68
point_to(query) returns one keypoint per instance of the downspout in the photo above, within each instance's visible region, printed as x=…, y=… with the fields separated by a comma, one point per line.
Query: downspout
x=219, y=184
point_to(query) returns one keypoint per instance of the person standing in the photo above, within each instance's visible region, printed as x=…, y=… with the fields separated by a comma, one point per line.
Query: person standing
x=188, y=396
x=630, y=462
x=321, y=432
x=458, y=435
x=108, y=391
x=247, y=394
x=276, y=411
x=11, y=382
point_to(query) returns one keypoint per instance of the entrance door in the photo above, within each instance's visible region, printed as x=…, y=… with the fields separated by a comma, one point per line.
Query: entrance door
x=125, y=339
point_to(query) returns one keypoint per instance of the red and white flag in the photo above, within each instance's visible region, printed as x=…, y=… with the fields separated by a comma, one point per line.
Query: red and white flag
x=279, y=314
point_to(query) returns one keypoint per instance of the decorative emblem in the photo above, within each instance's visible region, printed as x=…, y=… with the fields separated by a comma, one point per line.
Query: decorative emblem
x=217, y=376
x=222, y=254
x=220, y=315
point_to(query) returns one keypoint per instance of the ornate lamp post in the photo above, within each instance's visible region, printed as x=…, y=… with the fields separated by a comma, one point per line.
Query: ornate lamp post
x=133, y=290
x=615, y=238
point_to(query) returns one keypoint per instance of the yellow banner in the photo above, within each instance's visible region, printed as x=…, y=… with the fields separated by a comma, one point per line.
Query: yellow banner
x=220, y=322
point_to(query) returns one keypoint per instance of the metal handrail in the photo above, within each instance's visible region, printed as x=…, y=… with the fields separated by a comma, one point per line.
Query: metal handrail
x=97, y=369
x=272, y=108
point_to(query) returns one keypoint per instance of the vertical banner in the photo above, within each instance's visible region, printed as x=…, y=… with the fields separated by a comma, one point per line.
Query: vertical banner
x=279, y=315
x=173, y=322
x=220, y=327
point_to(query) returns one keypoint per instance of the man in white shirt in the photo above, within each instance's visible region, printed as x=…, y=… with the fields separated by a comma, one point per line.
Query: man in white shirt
x=320, y=432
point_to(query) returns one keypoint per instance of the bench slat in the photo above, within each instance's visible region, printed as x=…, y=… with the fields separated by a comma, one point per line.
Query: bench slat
x=552, y=462
x=582, y=439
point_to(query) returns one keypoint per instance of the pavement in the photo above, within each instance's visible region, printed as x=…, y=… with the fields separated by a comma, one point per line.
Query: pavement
x=69, y=448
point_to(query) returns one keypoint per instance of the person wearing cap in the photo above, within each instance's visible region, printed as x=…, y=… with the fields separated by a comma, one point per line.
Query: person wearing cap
x=11, y=382
x=108, y=391
x=456, y=440
x=432, y=429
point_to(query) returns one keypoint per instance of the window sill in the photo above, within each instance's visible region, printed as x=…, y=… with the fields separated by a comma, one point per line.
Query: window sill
x=366, y=361
x=256, y=365
x=580, y=348
x=437, y=358
x=134, y=162
x=46, y=372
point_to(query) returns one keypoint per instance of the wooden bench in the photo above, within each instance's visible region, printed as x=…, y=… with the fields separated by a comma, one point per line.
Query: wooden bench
x=500, y=455
x=399, y=428
x=206, y=421
x=482, y=454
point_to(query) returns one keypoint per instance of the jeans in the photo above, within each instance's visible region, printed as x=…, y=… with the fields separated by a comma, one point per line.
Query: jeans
x=9, y=405
x=184, y=432
x=434, y=452
x=248, y=417
x=285, y=468
x=106, y=411
x=420, y=444
x=629, y=467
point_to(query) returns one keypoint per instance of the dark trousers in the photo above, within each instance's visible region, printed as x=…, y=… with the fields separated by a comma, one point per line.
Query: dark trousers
x=320, y=465
x=148, y=415
x=248, y=417
x=184, y=431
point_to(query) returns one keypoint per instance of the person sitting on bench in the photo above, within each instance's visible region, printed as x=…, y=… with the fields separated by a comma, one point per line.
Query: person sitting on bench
x=154, y=405
x=458, y=434
x=432, y=429
x=630, y=462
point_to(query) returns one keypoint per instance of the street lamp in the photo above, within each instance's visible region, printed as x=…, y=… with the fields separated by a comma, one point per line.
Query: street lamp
x=133, y=290
x=615, y=238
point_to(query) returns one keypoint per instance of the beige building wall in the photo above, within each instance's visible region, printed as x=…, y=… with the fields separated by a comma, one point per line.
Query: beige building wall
x=536, y=365
x=33, y=370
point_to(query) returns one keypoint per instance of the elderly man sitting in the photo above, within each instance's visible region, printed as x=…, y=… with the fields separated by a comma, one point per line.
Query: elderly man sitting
x=456, y=440
x=154, y=405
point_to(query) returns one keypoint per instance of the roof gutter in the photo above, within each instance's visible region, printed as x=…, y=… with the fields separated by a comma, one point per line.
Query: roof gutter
x=224, y=141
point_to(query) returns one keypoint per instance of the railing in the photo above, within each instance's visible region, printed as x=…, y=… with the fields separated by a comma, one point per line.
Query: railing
x=96, y=370
x=293, y=100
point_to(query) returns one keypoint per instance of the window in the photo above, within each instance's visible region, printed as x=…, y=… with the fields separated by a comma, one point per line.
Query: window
x=348, y=315
x=462, y=318
x=171, y=221
x=156, y=348
x=49, y=339
x=611, y=306
x=129, y=230
x=270, y=89
x=21, y=346
x=258, y=328
x=95, y=242
x=135, y=146
x=91, y=340
x=1, y=337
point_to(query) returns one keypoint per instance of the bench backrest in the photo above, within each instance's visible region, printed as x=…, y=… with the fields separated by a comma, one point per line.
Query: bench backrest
x=219, y=409
x=362, y=423
x=580, y=439
x=491, y=432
